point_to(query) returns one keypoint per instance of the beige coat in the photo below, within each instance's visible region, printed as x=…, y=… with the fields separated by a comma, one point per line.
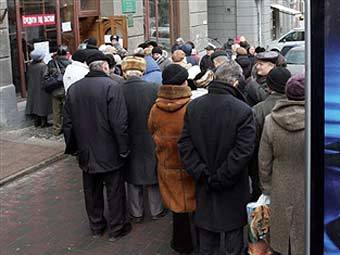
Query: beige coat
x=165, y=124
x=282, y=174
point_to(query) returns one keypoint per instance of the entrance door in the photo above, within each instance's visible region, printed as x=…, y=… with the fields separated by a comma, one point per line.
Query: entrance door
x=36, y=26
x=98, y=27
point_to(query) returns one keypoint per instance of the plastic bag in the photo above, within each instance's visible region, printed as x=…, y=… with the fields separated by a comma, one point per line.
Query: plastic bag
x=258, y=226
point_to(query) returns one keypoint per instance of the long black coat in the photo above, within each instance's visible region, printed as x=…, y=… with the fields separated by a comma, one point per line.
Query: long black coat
x=141, y=165
x=95, y=123
x=216, y=144
x=38, y=101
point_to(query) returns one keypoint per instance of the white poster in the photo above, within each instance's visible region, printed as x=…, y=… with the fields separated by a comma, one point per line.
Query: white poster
x=66, y=26
x=107, y=38
x=45, y=47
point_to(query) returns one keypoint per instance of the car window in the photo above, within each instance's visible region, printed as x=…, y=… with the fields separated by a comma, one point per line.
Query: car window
x=295, y=57
x=294, y=36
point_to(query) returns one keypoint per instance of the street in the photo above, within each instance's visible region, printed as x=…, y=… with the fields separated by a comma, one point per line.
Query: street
x=44, y=213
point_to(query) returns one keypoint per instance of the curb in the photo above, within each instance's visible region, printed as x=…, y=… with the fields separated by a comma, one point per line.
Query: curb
x=32, y=169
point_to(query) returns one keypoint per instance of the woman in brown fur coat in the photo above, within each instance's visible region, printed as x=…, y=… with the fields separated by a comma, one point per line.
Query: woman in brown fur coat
x=166, y=123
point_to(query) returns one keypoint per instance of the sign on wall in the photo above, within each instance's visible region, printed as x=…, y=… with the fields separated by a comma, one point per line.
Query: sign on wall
x=38, y=20
x=129, y=6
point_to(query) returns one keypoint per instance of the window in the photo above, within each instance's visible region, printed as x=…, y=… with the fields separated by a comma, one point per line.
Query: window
x=294, y=36
x=158, y=19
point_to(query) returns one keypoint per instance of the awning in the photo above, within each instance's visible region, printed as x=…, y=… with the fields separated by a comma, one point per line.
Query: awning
x=285, y=9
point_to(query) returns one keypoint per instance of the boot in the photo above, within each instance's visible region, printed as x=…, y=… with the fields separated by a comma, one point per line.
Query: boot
x=37, y=121
x=44, y=122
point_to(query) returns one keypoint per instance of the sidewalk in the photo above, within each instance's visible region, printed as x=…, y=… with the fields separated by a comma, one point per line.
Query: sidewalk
x=44, y=213
x=25, y=150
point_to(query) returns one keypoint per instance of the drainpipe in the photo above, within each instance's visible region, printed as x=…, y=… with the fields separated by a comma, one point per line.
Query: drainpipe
x=259, y=21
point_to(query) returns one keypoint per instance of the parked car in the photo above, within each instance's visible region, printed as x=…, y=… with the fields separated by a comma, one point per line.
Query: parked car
x=286, y=48
x=295, y=36
x=295, y=59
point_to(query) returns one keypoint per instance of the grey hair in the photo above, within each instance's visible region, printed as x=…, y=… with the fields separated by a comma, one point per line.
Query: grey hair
x=221, y=60
x=97, y=65
x=229, y=72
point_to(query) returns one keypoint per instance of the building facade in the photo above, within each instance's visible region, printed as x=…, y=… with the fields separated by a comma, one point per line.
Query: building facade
x=28, y=24
x=261, y=21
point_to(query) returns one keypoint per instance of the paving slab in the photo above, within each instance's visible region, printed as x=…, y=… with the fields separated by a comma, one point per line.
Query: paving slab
x=44, y=213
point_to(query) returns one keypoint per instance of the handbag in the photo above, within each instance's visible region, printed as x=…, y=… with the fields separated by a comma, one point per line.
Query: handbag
x=54, y=81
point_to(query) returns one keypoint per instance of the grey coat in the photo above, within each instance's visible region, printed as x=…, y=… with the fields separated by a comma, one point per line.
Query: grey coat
x=38, y=101
x=282, y=174
x=141, y=165
x=264, y=108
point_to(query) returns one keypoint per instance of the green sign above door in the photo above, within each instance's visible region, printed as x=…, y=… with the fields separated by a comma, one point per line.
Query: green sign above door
x=129, y=6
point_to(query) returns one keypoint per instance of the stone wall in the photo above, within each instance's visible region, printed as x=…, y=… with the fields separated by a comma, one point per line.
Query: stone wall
x=222, y=19
x=136, y=33
x=193, y=18
x=8, y=106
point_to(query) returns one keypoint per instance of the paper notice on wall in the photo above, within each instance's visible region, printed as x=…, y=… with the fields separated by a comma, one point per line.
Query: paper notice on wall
x=45, y=47
x=107, y=38
x=66, y=26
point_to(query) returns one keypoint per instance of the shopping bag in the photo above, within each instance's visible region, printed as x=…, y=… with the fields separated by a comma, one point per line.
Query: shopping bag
x=258, y=226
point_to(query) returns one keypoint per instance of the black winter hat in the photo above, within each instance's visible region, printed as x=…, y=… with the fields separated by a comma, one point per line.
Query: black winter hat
x=277, y=79
x=79, y=55
x=174, y=74
x=157, y=50
x=97, y=56
x=218, y=53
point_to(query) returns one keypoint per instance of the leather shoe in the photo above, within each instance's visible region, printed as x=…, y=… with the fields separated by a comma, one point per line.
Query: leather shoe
x=123, y=232
x=160, y=215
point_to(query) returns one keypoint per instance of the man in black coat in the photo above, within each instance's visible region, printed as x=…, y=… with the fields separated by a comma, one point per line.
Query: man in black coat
x=95, y=126
x=216, y=144
x=141, y=165
x=257, y=89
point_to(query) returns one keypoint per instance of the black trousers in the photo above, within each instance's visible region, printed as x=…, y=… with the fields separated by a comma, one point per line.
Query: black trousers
x=216, y=243
x=182, y=241
x=116, y=201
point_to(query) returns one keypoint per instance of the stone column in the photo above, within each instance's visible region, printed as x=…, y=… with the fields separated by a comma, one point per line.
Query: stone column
x=8, y=105
x=194, y=22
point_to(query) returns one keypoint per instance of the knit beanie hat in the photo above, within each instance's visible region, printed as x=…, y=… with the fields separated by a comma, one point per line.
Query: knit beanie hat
x=37, y=55
x=295, y=87
x=157, y=50
x=79, y=55
x=174, y=75
x=277, y=79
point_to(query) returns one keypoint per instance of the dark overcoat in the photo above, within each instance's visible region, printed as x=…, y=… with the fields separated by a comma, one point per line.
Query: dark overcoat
x=141, y=165
x=38, y=101
x=256, y=90
x=216, y=144
x=95, y=123
x=261, y=110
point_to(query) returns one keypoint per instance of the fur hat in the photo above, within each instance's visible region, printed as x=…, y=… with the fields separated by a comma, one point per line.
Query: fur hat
x=277, y=79
x=295, y=87
x=133, y=63
x=241, y=51
x=174, y=75
x=178, y=56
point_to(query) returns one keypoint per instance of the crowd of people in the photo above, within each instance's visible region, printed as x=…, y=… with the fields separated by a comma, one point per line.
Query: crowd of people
x=202, y=136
